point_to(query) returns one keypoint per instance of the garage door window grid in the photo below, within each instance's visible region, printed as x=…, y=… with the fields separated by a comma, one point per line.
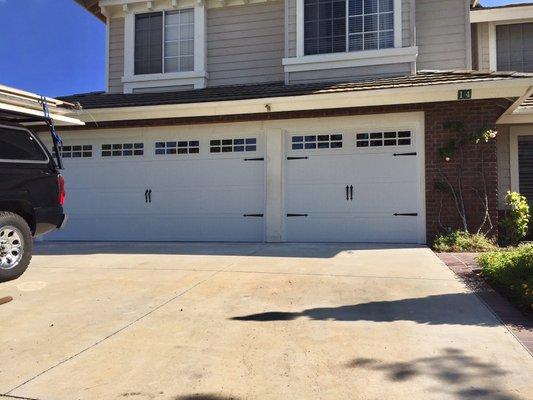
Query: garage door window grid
x=122, y=149
x=232, y=145
x=310, y=142
x=76, y=151
x=380, y=139
x=177, y=147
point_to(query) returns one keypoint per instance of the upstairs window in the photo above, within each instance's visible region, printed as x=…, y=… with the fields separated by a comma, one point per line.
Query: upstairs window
x=332, y=26
x=164, y=42
x=514, y=47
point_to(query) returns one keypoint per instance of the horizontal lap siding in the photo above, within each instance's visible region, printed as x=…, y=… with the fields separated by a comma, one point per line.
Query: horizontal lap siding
x=483, y=46
x=245, y=44
x=116, y=55
x=441, y=34
x=347, y=74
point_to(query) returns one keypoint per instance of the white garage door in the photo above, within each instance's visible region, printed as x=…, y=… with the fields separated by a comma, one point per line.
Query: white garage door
x=353, y=187
x=165, y=187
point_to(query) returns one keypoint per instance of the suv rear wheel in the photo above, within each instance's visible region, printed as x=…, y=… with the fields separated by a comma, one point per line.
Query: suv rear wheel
x=16, y=246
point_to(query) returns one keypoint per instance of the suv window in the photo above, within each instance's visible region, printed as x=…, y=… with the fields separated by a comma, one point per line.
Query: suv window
x=18, y=144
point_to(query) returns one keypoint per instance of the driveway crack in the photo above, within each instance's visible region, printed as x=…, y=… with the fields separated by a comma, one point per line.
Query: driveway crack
x=131, y=323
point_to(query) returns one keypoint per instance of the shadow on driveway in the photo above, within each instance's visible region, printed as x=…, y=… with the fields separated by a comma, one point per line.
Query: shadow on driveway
x=456, y=373
x=453, y=309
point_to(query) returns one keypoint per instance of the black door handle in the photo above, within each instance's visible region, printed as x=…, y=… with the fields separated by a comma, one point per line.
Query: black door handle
x=346, y=192
x=146, y=196
x=150, y=195
x=351, y=192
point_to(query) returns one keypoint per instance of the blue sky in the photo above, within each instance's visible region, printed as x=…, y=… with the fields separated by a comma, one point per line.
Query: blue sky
x=55, y=47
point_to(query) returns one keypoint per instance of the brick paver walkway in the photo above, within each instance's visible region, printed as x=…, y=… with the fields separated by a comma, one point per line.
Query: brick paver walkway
x=465, y=266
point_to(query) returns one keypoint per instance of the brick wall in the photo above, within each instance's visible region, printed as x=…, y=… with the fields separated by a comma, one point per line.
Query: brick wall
x=475, y=114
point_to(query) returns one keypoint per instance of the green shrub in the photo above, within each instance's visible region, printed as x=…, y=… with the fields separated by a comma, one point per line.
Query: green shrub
x=461, y=241
x=514, y=227
x=511, y=271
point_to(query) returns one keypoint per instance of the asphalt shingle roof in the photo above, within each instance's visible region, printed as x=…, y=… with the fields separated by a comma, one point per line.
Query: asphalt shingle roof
x=279, y=89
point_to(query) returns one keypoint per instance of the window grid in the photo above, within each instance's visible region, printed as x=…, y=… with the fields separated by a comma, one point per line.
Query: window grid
x=310, y=142
x=178, y=35
x=332, y=26
x=76, y=151
x=122, y=149
x=232, y=145
x=177, y=147
x=370, y=24
x=383, y=139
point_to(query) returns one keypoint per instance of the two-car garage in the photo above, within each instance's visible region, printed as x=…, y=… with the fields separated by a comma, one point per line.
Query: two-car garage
x=348, y=179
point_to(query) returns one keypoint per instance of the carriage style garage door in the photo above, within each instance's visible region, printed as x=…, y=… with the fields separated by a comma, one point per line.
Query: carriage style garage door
x=160, y=186
x=353, y=186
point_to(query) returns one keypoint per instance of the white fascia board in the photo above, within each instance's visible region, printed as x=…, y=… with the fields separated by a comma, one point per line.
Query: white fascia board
x=30, y=112
x=353, y=59
x=517, y=118
x=409, y=95
x=501, y=14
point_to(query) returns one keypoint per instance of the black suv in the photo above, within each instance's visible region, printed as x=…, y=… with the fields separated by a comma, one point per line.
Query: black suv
x=32, y=192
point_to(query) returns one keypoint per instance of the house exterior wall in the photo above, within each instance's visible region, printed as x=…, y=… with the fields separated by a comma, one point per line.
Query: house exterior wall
x=442, y=34
x=245, y=44
x=116, y=55
x=482, y=46
x=504, y=166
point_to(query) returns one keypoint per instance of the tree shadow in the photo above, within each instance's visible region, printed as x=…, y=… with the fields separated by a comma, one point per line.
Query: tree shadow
x=449, y=309
x=455, y=372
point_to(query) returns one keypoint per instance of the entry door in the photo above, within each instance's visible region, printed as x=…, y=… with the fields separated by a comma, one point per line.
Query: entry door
x=208, y=188
x=353, y=187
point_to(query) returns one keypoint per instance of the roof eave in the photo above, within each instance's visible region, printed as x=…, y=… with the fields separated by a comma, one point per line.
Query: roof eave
x=93, y=7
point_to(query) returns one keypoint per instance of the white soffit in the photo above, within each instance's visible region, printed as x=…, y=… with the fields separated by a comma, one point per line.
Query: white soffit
x=501, y=14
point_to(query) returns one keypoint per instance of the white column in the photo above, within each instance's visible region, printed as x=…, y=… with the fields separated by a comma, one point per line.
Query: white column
x=200, y=43
x=274, y=185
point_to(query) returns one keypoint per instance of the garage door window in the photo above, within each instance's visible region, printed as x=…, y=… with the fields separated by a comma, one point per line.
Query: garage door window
x=381, y=139
x=122, y=149
x=232, y=145
x=317, y=142
x=77, y=151
x=178, y=147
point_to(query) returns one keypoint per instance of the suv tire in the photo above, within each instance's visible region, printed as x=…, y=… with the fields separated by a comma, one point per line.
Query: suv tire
x=16, y=246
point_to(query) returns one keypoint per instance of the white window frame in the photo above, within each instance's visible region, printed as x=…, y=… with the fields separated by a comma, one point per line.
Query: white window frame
x=198, y=77
x=300, y=28
x=393, y=55
x=515, y=132
x=493, y=48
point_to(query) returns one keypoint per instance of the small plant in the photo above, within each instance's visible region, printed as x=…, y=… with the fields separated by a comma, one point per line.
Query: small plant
x=514, y=227
x=512, y=272
x=460, y=241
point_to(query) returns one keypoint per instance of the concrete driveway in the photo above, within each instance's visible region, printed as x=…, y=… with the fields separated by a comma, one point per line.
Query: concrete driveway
x=255, y=321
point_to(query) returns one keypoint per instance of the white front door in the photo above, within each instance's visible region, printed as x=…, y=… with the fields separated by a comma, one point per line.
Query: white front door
x=352, y=186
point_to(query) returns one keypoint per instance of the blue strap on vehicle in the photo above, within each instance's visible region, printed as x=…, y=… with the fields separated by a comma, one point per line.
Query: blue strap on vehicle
x=57, y=141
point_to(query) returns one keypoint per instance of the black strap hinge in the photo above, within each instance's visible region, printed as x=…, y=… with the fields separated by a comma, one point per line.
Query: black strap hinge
x=296, y=215
x=404, y=154
x=297, y=158
x=255, y=159
x=253, y=215
x=405, y=214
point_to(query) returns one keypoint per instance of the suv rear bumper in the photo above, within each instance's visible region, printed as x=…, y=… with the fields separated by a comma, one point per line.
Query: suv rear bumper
x=48, y=219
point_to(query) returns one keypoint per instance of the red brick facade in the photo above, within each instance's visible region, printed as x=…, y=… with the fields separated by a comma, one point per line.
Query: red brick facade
x=440, y=210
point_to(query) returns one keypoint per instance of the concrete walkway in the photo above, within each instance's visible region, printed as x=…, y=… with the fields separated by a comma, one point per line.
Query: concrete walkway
x=255, y=321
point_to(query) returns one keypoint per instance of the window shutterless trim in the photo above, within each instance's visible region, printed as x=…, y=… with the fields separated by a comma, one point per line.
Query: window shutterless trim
x=17, y=161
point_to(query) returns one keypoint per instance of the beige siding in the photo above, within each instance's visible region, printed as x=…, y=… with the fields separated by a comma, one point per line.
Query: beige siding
x=245, y=44
x=483, y=46
x=504, y=169
x=441, y=34
x=406, y=23
x=349, y=74
x=116, y=55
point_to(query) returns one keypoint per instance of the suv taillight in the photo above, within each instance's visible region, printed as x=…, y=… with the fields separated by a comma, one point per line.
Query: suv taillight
x=62, y=193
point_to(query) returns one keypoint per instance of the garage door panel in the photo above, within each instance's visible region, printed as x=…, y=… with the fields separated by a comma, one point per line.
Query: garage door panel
x=342, y=228
x=304, y=198
x=206, y=227
x=321, y=167
x=385, y=197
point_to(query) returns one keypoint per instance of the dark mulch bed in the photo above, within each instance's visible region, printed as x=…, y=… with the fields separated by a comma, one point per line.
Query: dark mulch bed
x=518, y=321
